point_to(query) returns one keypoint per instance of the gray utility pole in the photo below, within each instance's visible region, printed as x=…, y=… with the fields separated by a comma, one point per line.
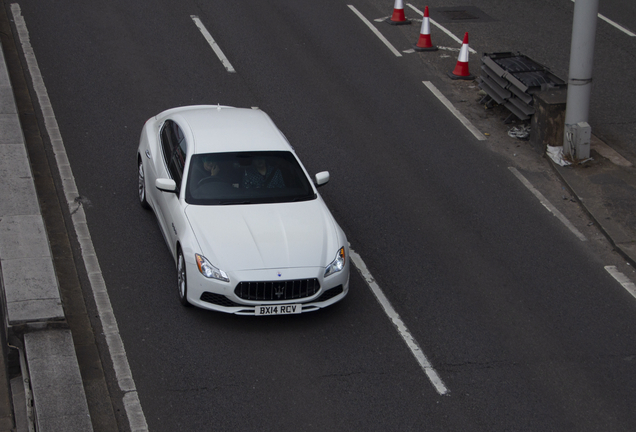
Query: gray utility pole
x=578, y=133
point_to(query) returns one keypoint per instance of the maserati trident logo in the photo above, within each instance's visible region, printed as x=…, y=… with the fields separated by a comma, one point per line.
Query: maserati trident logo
x=279, y=288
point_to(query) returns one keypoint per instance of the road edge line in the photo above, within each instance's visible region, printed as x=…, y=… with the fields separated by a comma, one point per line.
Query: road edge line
x=547, y=204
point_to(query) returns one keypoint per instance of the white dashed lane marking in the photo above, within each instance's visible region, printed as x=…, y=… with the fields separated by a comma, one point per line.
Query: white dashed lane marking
x=467, y=124
x=375, y=31
x=217, y=50
x=622, y=279
x=404, y=332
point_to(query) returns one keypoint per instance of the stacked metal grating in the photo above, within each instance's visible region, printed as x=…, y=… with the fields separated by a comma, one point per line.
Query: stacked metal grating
x=510, y=79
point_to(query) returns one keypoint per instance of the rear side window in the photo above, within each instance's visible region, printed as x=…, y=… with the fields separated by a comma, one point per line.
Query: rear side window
x=174, y=150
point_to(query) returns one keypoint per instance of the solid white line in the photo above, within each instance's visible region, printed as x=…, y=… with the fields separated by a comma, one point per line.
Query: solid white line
x=111, y=331
x=618, y=26
x=399, y=324
x=480, y=136
x=622, y=279
x=208, y=37
x=547, y=204
x=375, y=30
x=448, y=32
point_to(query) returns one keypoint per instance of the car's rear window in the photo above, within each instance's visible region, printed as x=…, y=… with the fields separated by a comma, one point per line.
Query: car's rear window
x=246, y=178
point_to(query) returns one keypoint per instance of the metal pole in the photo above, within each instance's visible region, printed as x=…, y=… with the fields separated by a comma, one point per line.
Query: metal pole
x=576, y=140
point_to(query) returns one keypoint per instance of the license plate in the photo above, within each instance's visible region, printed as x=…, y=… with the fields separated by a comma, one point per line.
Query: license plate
x=279, y=309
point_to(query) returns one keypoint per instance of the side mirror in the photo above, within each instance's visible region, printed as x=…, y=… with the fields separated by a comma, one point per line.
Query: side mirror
x=322, y=178
x=166, y=185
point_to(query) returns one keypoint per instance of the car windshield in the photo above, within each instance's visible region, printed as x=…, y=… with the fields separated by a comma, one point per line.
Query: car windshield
x=246, y=178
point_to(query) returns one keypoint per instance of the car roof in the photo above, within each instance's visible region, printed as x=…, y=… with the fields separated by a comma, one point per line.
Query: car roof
x=217, y=128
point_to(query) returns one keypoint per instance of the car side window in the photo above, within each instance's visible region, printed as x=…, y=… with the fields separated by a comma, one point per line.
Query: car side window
x=166, y=142
x=174, y=149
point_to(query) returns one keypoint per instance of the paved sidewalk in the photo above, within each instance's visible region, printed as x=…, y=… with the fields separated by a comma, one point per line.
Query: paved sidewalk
x=606, y=187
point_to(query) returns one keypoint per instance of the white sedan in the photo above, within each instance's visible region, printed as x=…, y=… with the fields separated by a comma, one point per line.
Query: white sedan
x=248, y=230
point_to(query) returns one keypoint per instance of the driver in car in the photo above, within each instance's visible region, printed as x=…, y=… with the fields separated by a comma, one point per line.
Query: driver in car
x=211, y=165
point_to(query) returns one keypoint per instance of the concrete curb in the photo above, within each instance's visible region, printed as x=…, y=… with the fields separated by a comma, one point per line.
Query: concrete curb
x=609, y=198
x=30, y=285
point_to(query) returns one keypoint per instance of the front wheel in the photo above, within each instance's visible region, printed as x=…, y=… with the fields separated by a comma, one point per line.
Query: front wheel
x=142, y=184
x=182, y=281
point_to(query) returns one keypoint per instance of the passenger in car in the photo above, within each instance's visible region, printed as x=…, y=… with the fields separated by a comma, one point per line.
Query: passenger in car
x=262, y=175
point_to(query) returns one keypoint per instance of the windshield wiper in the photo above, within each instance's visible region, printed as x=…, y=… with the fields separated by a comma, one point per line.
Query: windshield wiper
x=304, y=198
x=234, y=202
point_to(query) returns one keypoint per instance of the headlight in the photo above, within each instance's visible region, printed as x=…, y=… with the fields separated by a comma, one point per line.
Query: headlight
x=337, y=264
x=208, y=270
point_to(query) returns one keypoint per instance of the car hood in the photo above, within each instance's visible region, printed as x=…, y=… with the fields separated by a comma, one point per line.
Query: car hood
x=265, y=236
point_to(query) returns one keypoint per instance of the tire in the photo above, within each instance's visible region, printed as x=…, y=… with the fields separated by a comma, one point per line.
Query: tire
x=141, y=185
x=182, y=280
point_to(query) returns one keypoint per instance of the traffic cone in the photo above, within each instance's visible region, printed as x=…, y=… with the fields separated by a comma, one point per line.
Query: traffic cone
x=424, y=42
x=398, y=17
x=461, y=69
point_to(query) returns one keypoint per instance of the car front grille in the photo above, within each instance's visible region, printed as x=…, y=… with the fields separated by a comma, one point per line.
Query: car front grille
x=277, y=290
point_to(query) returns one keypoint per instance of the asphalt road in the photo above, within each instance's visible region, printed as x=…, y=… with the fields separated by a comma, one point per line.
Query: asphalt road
x=518, y=316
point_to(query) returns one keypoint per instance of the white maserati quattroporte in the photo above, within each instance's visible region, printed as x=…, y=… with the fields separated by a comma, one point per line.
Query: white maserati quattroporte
x=248, y=231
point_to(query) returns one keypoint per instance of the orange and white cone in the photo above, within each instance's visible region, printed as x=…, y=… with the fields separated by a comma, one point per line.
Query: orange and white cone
x=398, y=17
x=424, y=43
x=461, y=69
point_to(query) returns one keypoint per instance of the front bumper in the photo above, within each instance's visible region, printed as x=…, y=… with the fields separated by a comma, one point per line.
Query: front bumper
x=220, y=296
